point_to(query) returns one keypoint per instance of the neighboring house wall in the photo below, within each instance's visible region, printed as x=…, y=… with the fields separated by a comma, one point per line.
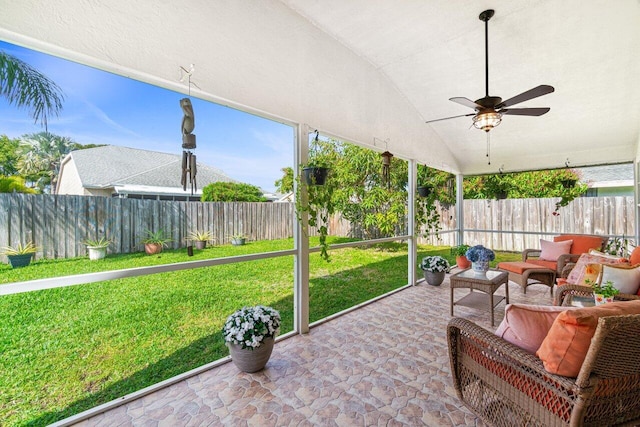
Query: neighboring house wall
x=69, y=179
x=105, y=192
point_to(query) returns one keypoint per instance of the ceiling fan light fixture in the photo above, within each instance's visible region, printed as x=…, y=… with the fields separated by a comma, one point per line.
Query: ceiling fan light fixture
x=487, y=120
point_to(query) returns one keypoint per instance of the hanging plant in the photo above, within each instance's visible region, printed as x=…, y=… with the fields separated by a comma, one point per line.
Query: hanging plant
x=424, y=190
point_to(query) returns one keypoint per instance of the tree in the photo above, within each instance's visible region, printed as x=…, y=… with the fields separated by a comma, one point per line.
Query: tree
x=9, y=155
x=24, y=86
x=231, y=192
x=11, y=184
x=285, y=184
x=41, y=155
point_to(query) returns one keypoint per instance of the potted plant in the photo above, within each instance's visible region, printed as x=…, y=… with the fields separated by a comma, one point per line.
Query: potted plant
x=603, y=293
x=238, y=239
x=424, y=190
x=461, y=260
x=250, y=334
x=97, y=248
x=20, y=255
x=155, y=241
x=200, y=238
x=315, y=174
x=480, y=257
x=434, y=269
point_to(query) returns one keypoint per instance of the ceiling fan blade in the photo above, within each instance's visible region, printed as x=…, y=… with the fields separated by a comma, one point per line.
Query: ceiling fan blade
x=525, y=96
x=525, y=111
x=465, y=101
x=452, y=117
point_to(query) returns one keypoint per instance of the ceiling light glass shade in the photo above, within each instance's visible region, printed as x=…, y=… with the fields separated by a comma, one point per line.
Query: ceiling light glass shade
x=487, y=120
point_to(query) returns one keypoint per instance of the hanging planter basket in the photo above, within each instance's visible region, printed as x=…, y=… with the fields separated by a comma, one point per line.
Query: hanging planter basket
x=315, y=175
x=424, y=191
x=569, y=183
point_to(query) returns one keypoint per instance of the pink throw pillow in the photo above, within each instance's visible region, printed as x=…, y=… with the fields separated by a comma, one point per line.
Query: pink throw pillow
x=527, y=325
x=552, y=250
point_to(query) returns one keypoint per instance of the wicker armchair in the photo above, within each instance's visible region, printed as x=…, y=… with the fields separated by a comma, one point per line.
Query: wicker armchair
x=506, y=386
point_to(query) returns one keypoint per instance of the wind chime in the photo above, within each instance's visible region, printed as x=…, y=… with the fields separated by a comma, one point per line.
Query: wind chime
x=189, y=169
x=386, y=166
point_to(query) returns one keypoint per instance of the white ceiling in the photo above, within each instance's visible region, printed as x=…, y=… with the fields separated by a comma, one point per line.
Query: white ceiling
x=373, y=71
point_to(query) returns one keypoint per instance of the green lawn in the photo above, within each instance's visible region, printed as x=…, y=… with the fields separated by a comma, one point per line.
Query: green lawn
x=66, y=350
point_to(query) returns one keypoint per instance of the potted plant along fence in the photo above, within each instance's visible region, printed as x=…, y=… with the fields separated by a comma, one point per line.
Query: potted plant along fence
x=20, y=255
x=155, y=241
x=461, y=260
x=97, y=248
x=250, y=334
x=238, y=239
x=434, y=269
x=200, y=238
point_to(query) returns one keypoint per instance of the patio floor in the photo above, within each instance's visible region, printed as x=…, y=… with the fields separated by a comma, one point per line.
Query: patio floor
x=385, y=364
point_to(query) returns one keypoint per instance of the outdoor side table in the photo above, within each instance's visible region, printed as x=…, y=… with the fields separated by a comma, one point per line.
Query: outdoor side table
x=487, y=286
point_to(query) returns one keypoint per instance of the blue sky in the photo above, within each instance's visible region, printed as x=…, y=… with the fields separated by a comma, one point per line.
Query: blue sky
x=104, y=108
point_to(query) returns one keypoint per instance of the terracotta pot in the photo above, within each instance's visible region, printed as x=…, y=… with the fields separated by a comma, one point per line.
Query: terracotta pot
x=462, y=262
x=152, y=248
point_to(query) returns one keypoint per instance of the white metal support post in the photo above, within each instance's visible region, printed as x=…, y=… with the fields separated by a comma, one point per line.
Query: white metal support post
x=301, y=238
x=411, y=221
x=636, y=198
x=460, y=209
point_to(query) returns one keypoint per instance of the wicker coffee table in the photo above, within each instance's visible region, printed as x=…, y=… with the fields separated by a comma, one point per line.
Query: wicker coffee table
x=485, y=299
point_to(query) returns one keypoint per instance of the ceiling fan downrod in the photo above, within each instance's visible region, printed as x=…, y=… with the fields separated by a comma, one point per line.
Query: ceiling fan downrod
x=485, y=16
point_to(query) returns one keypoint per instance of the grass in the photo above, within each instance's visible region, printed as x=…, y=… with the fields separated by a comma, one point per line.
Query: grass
x=66, y=350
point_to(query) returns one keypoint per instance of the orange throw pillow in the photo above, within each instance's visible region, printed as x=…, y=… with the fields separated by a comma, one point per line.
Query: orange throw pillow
x=565, y=347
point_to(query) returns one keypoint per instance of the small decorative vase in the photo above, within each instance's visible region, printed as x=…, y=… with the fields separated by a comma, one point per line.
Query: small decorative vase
x=480, y=268
x=434, y=278
x=248, y=360
x=601, y=299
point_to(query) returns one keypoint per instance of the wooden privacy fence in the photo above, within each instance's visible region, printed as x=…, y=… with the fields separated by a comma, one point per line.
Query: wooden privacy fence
x=517, y=224
x=59, y=224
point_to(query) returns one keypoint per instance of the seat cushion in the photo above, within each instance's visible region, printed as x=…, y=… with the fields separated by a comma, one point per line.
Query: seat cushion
x=565, y=347
x=542, y=263
x=527, y=325
x=581, y=243
x=518, y=267
x=550, y=251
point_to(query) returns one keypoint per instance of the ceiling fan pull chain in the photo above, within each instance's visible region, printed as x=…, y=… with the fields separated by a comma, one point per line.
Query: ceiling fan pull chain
x=488, y=147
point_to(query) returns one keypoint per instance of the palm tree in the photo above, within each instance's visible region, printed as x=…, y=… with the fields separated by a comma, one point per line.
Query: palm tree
x=24, y=86
x=42, y=154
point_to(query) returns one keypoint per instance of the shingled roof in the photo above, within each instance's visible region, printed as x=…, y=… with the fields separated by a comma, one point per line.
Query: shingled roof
x=113, y=166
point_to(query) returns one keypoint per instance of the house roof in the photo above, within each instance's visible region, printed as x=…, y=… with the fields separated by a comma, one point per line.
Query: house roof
x=608, y=176
x=374, y=72
x=116, y=166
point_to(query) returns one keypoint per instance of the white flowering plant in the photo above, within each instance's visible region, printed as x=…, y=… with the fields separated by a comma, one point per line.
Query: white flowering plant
x=250, y=326
x=435, y=264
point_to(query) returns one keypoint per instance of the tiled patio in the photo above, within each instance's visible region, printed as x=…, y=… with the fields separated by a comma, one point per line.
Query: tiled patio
x=386, y=364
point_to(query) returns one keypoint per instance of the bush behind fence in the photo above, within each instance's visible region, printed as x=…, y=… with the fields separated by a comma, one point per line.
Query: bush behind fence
x=59, y=224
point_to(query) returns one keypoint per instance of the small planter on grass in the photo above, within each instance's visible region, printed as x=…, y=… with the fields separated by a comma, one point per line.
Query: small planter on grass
x=20, y=255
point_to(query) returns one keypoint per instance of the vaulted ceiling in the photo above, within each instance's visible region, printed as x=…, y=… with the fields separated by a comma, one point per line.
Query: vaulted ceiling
x=373, y=71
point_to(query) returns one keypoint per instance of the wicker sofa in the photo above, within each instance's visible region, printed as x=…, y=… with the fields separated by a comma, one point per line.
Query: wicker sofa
x=506, y=386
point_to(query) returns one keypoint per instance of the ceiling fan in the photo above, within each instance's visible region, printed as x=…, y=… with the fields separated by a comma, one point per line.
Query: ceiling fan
x=490, y=109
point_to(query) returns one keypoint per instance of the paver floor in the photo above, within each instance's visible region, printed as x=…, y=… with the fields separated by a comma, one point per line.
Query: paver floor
x=385, y=364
